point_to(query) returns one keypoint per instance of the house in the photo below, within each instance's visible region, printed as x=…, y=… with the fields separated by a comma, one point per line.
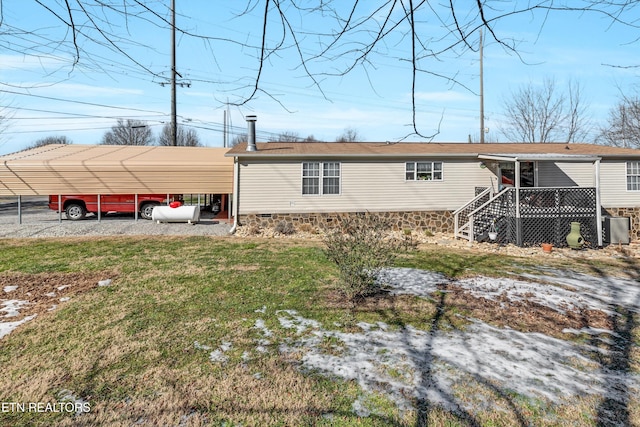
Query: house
x=530, y=192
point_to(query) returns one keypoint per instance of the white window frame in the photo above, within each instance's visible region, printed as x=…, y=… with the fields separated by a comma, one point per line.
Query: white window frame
x=432, y=171
x=321, y=176
x=632, y=173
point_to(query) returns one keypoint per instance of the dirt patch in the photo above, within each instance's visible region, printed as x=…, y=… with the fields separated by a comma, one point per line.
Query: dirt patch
x=523, y=316
x=46, y=291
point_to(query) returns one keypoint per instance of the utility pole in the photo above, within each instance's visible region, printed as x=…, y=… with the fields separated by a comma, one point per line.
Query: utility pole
x=481, y=92
x=174, y=121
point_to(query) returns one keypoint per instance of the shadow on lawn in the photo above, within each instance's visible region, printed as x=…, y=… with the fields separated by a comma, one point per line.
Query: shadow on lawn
x=615, y=364
x=423, y=359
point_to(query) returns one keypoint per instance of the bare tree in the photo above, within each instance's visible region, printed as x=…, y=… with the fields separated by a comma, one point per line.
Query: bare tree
x=343, y=36
x=184, y=138
x=131, y=132
x=623, y=128
x=545, y=114
x=349, y=135
x=286, y=136
x=289, y=136
x=238, y=139
x=48, y=140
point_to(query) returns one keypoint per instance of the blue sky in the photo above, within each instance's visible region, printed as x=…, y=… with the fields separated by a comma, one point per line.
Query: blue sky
x=45, y=94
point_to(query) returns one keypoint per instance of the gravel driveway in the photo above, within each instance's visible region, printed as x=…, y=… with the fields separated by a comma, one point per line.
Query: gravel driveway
x=39, y=221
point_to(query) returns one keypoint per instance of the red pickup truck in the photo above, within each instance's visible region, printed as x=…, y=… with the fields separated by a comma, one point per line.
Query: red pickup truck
x=77, y=206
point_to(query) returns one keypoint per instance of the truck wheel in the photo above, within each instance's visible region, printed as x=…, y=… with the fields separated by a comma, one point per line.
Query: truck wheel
x=147, y=210
x=75, y=211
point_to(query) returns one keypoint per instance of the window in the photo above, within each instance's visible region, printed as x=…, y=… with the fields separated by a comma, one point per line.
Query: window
x=633, y=176
x=423, y=171
x=313, y=173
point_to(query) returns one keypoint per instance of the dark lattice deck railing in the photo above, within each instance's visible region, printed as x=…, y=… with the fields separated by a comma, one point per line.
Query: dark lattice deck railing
x=545, y=216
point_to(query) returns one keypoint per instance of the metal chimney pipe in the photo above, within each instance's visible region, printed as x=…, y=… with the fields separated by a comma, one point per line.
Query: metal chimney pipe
x=251, y=133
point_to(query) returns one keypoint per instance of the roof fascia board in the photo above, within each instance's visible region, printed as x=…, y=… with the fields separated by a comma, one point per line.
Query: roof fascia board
x=530, y=157
x=297, y=156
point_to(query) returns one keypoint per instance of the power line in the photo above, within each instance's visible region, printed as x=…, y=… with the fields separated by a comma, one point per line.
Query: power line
x=93, y=104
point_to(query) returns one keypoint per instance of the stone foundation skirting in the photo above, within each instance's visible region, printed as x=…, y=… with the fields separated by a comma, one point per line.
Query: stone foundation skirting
x=433, y=221
x=633, y=214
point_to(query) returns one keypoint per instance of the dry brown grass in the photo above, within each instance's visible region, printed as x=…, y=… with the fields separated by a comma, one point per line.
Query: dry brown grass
x=97, y=346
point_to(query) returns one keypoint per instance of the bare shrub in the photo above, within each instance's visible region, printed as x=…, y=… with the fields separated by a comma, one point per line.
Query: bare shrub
x=307, y=228
x=254, y=230
x=360, y=249
x=284, y=227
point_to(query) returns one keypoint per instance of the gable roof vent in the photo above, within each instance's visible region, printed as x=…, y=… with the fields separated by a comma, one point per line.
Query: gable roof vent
x=251, y=133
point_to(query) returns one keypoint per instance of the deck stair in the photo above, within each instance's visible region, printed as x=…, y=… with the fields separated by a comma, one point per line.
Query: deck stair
x=476, y=217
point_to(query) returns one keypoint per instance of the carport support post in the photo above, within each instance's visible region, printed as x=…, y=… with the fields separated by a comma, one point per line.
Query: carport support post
x=99, y=208
x=135, y=208
x=19, y=209
x=60, y=208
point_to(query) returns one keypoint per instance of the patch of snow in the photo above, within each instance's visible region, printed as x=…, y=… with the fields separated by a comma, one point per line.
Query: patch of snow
x=600, y=292
x=262, y=346
x=560, y=290
x=80, y=404
x=294, y=321
x=64, y=299
x=218, y=356
x=590, y=331
x=554, y=297
x=12, y=307
x=411, y=281
x=199, y=346
x=7, y=327
x=410, y=363
x=414, y=363
x=11, y=288
x=261, y=326
x=360, y=408
x=261, y=310
x=62, y=287
x=50, y=294
x=105, y=282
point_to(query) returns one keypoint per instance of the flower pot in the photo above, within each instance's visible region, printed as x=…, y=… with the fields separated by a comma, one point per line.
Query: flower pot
x=547, y=247
x=493, y=235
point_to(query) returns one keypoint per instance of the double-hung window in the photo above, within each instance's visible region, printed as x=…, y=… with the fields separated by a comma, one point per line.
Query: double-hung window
x=320, y=178
x=633, y=176
x=423, y=171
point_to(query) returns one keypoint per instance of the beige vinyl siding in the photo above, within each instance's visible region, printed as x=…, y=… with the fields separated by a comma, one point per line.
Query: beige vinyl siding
x=276, y=187
x=566, y=174
x=613, y=185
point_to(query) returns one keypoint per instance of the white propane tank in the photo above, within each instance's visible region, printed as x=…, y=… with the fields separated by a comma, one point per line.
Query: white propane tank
x=188, y=214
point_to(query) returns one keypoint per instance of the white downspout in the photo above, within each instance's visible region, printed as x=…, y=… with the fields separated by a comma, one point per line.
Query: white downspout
x=518, y=220
x=236, y=195
x=598, y=207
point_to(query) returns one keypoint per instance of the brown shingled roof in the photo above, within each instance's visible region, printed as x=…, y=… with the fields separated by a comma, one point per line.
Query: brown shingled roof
x=382, y=149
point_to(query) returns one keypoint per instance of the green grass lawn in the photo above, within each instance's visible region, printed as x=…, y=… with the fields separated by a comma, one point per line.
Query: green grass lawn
x=140, y=350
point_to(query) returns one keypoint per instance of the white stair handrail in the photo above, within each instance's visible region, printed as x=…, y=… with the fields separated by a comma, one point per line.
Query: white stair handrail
x=475, y=199
x=490, y=200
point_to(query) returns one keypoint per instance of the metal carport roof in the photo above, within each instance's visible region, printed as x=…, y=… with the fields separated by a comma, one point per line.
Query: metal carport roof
x=115, y=169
